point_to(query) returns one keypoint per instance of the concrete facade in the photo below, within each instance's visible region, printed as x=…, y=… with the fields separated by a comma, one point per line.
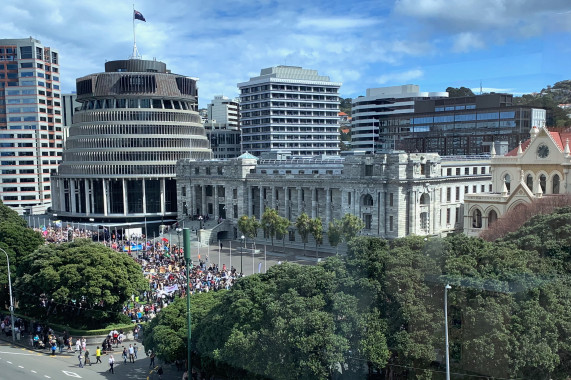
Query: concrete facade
x=290, y=108
x=395, y=194
x=31, y=129
x=136, y=120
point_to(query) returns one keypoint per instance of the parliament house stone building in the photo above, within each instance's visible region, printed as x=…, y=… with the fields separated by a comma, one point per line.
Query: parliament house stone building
x=136, y=120
x=395, y=194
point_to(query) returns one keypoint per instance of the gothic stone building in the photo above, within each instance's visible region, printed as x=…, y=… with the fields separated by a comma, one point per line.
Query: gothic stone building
x=395, y=194
x=538, y=168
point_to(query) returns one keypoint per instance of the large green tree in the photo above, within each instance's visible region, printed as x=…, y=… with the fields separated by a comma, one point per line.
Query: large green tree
x=249, y=226
x=335, y=234
x=81, y=283
x=316, y=230
x=303, y=226
x=351, y=226
x=271, y=222
x=18, y=241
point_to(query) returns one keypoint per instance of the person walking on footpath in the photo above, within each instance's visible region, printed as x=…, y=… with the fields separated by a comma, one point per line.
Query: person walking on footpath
x=111, y=362
x=131, y=354
x=152, y=357
x=87, y=360
x=79, y=358
x=124, y=355
x=135, y=348
x=98, y=355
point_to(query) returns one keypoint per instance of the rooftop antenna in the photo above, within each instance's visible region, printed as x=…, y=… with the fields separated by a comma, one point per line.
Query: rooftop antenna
x=480, y=87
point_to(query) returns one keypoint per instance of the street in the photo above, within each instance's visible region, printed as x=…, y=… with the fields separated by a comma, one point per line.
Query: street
x=23, y=363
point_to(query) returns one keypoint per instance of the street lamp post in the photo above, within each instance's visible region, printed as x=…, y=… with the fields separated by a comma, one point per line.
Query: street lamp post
x=446, y=330
x=241, y=253
x=11, y=299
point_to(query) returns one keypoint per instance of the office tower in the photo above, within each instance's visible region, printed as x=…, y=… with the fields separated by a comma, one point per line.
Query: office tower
x=370, y=113
x=290, y=109
x=31, y=136
x=463, y=125
x=223, y=110
x=136, y=120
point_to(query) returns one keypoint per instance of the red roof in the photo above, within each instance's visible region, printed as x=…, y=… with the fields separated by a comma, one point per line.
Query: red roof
x=559, y=137
x=341, y=114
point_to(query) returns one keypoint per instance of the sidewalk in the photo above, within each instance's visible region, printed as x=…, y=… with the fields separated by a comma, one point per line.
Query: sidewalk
x=135, y=371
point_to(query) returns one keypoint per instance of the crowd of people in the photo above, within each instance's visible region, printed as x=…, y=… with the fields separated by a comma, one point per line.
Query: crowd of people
x=162, y=263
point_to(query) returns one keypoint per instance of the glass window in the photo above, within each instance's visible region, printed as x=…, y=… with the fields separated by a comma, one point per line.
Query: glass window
x=26, y=52
x=555, y=184
x=529, y=182
x=477, y=219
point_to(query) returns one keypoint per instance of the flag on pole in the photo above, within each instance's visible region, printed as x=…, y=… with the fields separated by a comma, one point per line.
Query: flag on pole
x=139, y=16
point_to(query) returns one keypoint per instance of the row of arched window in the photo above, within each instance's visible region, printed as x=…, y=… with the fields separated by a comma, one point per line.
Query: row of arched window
x=551, y=186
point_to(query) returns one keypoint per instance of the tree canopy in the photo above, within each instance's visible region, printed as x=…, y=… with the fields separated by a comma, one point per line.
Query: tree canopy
x=454, y=92
x=381, y=307
x=18, y=241
x=81, y=283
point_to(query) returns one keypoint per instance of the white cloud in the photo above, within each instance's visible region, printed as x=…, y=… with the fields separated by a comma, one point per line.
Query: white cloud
x=359, y=45
x=336, y=23
x=400, y=77
x=465, y=42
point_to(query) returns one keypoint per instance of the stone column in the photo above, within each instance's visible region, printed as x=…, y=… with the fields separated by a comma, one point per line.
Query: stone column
x=92, y=195
x=62, y=194
x=125, y=204
x=162, y=196
x=105, y=197
x=313, y=203
x=261, y=202
x=299, y=201
x=87, y=199
x=250, y=205
x=327, y=206
x=274, y=198
x=286, y=203
x=144, y=197
x=203, y=200
x=216, y=205
x=72, y=195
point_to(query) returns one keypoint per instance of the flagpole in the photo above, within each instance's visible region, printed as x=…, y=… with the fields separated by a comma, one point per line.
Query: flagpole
x=134, y=35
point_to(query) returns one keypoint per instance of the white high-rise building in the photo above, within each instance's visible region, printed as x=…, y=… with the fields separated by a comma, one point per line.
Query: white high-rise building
x=288, y=108
x=381, y=103
x=224, y=111
x=31, y=136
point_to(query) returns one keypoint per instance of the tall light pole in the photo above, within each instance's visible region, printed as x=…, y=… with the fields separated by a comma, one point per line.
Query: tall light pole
x=178, y=231
x=186, y=241
x=11, y=299
x=241, y=253
x=446, y=330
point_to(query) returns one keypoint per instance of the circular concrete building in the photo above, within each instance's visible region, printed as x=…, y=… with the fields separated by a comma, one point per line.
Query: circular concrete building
x=136, y=120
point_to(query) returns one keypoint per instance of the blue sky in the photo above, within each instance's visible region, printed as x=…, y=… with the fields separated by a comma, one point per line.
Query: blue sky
x=516, y=46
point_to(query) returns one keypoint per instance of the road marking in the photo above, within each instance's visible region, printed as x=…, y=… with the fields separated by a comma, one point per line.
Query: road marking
x=8, y=362
x=47, y=376
x=20, y=366
x=72, y=374
x=16, y=353
x=34, y=371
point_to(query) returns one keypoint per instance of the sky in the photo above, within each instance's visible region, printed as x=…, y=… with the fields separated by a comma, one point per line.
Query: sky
x=514, y=46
